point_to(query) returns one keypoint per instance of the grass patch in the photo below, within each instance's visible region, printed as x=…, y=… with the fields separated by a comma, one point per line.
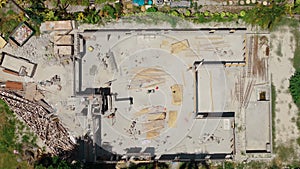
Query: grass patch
x=257, y=165
x=278, y=51
x=8, y=140
x=296, y=60
x=273, y=92
x=103, y=1
x=55, y=3
x=289, y=22
x=8, y=22
x=294, y=80
x=293, y=24
x=298, y=141
x=13, y=136
x=286, y=153
x=298, y=121
x=187, y=165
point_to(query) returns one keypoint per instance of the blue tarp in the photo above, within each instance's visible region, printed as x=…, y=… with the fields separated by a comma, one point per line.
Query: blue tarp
x=139, y=2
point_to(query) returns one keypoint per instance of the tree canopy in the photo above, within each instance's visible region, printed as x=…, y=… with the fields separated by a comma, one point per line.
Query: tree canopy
x=152, y=9
x=295, y=87
x=264, y=16
x=109, y=10
x=55, y=162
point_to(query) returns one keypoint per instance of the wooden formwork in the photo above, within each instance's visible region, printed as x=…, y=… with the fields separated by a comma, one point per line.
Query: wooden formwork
x=176, y=94
x=172, y=118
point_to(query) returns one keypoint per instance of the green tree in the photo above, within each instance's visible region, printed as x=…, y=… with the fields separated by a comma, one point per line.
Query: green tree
x=200, y=18
x=288, y=9
x=235, y=16
x=80, y=16
x=295, y=87
x=206, y=13
x=228, y=165
x=65, y=3
x=217, y=17
x=195, y=5
x=265, y=16
x=119, y=8
x=188, y=165
x=187, y=13
x=36, y=10
x=174, y=13
x=91, y=15
x=103, y=1
x=55, y=162
x=242, y=13
x=223, y=14
x=296, y=8
x=152, y=9
x=109, y=10
x=50, y=16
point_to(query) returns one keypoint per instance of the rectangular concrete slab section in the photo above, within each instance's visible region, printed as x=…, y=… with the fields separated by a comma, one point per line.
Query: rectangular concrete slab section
x=212, y=88
x=257, y=126
x=63, y=50
x=63, y=40
x=156, y=68
x=56, y=26
x=17, y=64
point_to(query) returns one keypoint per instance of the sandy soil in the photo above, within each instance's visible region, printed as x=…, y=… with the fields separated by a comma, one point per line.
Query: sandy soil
x=281, y=67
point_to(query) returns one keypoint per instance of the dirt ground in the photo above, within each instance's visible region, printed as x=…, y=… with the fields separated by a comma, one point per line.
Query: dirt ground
x=281, y=67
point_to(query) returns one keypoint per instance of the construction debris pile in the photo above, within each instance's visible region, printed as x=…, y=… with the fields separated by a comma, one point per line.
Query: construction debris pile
x=47, y=127
x=22, y=33
x=55, y=80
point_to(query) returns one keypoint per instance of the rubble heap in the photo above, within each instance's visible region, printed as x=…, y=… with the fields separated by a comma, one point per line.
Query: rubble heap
x=49, y=129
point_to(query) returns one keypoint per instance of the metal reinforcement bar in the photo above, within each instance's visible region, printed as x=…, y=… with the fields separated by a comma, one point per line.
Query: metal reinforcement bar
x=159, y=29
x=215, y=114
x=194, y=157
x=219, y=62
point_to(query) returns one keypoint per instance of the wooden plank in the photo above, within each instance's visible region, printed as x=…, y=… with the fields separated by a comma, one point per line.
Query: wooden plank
x=172, y=118
x=156, y=116
x=179, y=46
x=142, y=112
x=176, y=94
x=152, y=134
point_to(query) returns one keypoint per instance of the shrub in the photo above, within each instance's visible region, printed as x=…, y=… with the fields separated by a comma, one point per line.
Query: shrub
x=223, y=14
x=110, y=10
x=206, y=13
x=298, y=141
x=187, y=13
x=152, y=9
x=174, y=13
x=242, y=13
x=294, y=87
